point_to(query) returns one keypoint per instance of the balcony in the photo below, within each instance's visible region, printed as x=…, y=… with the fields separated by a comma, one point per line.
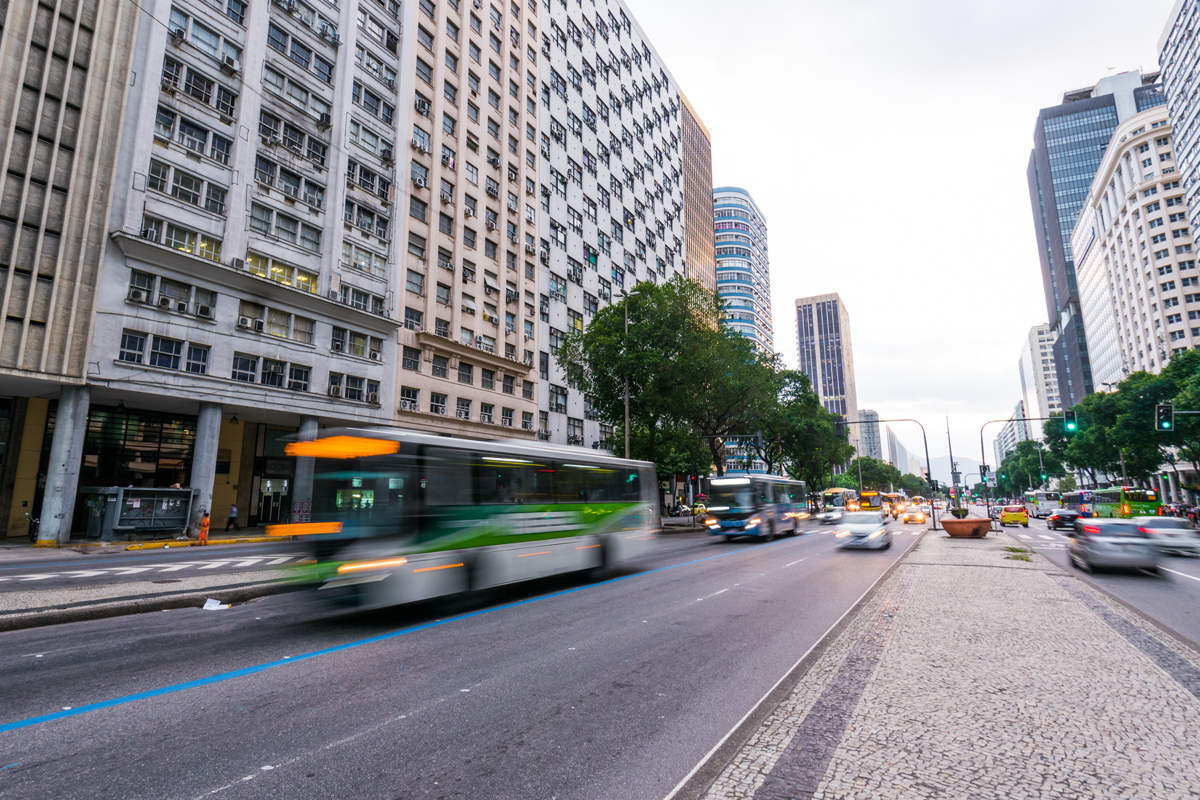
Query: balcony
x=483, y=353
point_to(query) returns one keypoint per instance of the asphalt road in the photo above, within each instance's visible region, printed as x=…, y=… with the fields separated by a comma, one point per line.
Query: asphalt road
x=1172, y=597
x=66, y=569
x=559, y=689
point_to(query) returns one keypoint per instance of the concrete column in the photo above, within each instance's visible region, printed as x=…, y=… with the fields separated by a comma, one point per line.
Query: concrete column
x=1162, y=487
x=66, y=456
x=302, y=490
x=1174, y=479
x=204, y=466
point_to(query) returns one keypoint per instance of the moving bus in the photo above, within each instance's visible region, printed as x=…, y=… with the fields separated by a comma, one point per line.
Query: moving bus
x=840, y=499
x=1081, y=501
x=1042, y=504
x=401, y=516
x=755, y=505
x=897, y=501
x=1127, y=502
x=870, y=501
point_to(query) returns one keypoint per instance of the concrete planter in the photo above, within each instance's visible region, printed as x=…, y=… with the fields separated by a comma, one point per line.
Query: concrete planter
x=973, y=528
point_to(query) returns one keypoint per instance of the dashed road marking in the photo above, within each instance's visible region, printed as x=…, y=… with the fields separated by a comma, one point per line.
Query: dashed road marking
x=154, y=568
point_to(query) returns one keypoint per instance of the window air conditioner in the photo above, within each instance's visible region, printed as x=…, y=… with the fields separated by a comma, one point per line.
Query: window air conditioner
x=419, y=183
x=479, y=340
x=243, y=322
x=335, y=391
x=491, y=226
x=468, y=212
x=204, y=311
x=447, y=197
x=446, y=159
x=463, y=414
x=408, y=405
x=338, y=345
x=165, y=302
x=137, y=295
x=231, y=66
x=386, y=155
x=181, y=306
x=258, y=326
x=376, y=355
x=326, y=120
x=372, y=397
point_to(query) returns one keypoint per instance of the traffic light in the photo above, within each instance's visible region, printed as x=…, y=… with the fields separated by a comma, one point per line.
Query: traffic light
x=1003, y=476
x=983, y=471
x=1043, y=476
x=1164, y=417
x=933, y=486
x=1070, y=422
x=839, y=428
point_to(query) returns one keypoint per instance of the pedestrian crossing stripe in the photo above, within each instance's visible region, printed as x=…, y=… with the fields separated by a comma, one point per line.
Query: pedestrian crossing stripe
x=214, y=563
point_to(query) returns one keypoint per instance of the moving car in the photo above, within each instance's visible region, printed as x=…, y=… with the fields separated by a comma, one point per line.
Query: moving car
x=913, y=514
x=1014, y=515
x=865, y=530
x=1170, y=534
x=1062, y=518
x=829, y=517
x=1111, y=543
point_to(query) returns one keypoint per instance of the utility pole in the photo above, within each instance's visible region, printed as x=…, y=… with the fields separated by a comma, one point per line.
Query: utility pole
x=1124, y=477
x=625, y=344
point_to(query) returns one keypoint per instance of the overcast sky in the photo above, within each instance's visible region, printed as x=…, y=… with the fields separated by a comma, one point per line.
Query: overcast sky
x=886, y=142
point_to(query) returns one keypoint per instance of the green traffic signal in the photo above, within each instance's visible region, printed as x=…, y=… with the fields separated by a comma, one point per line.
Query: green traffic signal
x=1164, y=417
x=1071, y=423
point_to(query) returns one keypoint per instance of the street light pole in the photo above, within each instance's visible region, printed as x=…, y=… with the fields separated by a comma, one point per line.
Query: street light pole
x=928, y=463
x=625, y=303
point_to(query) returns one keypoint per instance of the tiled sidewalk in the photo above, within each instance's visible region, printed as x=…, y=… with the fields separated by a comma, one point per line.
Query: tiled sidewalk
x=969, y=674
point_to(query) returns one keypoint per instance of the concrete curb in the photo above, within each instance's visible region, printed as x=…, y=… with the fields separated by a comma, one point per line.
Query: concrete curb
x=121, y=606
x=194, y=543
x=697, y=783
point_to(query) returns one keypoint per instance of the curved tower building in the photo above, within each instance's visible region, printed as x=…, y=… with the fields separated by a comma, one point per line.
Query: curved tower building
x=743, y=267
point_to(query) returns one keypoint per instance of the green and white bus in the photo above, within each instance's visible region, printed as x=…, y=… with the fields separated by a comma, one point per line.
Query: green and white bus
x=1125, y=501
x=401, y=516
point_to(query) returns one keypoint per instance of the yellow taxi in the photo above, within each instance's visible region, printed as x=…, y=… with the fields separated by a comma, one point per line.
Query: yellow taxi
x=1014, y=515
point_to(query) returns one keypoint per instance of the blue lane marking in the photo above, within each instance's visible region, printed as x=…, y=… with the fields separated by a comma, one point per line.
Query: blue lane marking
x=60, y=565
x=239, y=673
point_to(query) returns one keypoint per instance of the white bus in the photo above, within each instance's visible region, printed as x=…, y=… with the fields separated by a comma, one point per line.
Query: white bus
x=1042, y=504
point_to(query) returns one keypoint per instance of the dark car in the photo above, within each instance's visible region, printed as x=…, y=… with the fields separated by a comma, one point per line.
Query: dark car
x=1062, y=518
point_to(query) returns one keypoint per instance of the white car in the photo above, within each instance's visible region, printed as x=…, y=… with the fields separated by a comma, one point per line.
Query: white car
x=864, y=530
x=829, y=517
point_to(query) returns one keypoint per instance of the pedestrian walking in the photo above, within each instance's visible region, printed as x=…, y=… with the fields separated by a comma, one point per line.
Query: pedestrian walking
x=232, y=520
x=203, y=528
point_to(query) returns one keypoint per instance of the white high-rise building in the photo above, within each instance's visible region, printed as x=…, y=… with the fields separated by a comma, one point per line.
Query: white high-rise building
x=743, y=266
x=1135, y=262
x=1039, y=381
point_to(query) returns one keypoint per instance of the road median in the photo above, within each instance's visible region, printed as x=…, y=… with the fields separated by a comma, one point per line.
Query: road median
x=31, y=609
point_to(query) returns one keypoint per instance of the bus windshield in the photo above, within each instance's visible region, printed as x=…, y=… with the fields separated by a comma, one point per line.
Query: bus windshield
x=731, y=497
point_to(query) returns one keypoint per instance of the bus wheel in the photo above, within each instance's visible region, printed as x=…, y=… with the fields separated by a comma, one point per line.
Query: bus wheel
x=770, y=537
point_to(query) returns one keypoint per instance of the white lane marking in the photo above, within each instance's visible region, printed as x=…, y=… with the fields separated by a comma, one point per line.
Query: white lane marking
x=797, y=561
x=1024, y=536
x=714, y=594
x=281, y=559
x=130, y=570
x=1048, y=538
x=916, y=533
x=177, y=567
x=248, y=562
x=1181, y=574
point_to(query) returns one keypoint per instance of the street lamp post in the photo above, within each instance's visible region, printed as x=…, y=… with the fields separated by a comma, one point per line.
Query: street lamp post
x=625, y=303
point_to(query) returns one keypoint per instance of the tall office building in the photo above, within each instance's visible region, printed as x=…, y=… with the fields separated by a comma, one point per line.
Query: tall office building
x=827, y=356
x=743, y=266
x=1039, y=381
x=611, y=194
x=266, y=271
x=1069, y=141
x=868, y=434
x=1178, y=57
x=699, y=253
x=65, y=74
x=1138, y=282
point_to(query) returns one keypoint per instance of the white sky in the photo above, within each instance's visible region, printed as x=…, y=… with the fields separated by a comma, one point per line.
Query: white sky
x=886, y=142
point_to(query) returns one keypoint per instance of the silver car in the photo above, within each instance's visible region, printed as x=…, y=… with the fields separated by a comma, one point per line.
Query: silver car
x=1171, y=534
x=864, y=529
x=829, y=516
x=1111, y=543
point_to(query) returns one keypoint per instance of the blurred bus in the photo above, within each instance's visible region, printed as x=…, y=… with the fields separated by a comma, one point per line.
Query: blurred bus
x=897, y=501
x=757, y=505
x=1042, y=504
x=400, y=516
x=1127, y=502
x=839, y=499
x=870, y=501
x=1081, y=501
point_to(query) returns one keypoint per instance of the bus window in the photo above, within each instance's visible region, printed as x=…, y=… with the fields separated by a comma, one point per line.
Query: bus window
x=500, y=481
x=781, y=494
x=447, y=477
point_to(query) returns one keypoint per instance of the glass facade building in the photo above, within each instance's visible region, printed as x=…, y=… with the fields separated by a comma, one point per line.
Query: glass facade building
x=699, y=253
x=826, y=355
x=1069, y=143
x=743, y=266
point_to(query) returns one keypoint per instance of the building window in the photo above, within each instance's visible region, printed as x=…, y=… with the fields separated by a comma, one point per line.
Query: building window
x=354, y=388
x=464, y=408
x=166, y=353
x=197, y=359
x=411, y=359
x=245, y=368
x=437, y=403
x=440, y=366
x=298, y=378
x=273, y=373
x=133, y=346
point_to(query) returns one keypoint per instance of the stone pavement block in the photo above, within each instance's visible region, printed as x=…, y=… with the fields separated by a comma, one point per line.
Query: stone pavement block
x=971, y=675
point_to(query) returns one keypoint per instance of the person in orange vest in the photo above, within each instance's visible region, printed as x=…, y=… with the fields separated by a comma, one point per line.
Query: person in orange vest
x=203, y=528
